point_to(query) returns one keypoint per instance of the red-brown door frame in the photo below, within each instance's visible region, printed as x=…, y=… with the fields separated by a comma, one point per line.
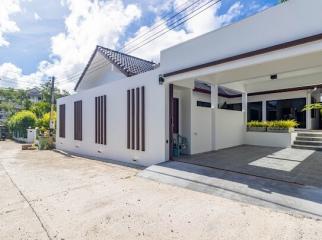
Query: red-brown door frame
x=171, y=122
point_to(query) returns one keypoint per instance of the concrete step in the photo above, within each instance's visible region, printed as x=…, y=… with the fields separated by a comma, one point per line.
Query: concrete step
x=316, y=139
x=308, y=143
x=307, y=147
x=309, y=134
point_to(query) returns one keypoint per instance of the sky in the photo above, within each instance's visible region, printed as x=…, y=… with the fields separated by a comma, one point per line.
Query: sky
x=41, y=38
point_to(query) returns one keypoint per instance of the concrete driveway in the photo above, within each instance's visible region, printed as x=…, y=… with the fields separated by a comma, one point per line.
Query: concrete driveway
x=46, y=195
x=303, y=167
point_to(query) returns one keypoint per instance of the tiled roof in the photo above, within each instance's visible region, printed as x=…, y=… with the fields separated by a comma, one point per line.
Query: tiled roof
x=127, y=64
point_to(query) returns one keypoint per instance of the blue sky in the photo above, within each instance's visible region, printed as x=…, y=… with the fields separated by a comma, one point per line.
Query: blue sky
x=39, y=21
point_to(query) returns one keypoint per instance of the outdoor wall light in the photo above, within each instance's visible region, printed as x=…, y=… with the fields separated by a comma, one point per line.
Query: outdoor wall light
x=161, y=79
x=274, y=77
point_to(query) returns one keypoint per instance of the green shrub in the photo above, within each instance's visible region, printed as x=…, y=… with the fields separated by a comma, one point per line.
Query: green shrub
x=21, y=121
x=257, y=124
x=45, y=120
x=284, y=124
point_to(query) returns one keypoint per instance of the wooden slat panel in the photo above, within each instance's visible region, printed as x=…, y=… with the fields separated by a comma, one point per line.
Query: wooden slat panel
x=102, y=120
x=137, y=118
x=96, y=120
x=81, y=121
x=99, y=119
x=62, y=120
x=143, y=118
x=133, y=118
x=78, y=120
x=75, y=122
x=105, y=130
x=128, y=119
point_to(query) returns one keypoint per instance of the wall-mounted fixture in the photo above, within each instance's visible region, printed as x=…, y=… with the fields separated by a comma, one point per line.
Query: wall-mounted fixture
x=274, y=77
x=161, y=79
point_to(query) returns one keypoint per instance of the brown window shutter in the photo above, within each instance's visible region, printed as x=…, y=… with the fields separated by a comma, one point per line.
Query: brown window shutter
x=62, y=120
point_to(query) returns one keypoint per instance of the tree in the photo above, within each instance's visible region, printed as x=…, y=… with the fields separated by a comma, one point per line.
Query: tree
x=45, y=90
x=40, y=108
x=21, y=121
x=44, y=122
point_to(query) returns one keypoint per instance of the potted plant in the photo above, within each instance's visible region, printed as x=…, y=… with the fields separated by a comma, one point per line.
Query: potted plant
x=282, y=126
x=256, y=126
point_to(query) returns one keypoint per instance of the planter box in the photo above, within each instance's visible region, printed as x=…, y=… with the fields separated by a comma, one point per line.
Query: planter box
x=280, y=130
x=256, y=129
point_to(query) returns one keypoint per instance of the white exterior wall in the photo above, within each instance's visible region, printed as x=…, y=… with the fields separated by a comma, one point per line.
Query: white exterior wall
x=98, y=75
x=116, y=147
x=229, y=128
x=201, y=121
x=269, y=139
x=292, y=20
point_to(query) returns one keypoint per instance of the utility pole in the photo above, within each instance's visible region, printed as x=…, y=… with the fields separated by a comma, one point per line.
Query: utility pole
x=52, y=93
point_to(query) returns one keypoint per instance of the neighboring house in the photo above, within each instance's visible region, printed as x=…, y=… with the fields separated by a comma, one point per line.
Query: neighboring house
x=34, y=95
x=265, y=67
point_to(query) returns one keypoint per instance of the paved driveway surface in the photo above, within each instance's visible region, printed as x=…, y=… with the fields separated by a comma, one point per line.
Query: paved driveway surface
x=46, y=195
x=290, y=165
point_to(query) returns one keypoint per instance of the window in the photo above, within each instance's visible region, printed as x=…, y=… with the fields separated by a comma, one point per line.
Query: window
x=62, y=117
x=100, y=120
x=287, y=109
x=203, y=104
x=255, y=111
x=136, y=119
x=78, y=120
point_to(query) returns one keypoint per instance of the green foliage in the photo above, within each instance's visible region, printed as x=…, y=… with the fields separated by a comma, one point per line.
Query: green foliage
x=284, y=124
x=281, y=124
x=21, y=121
x=257, y=124
x=12, y=100
x=313, y=106
x=43, y=123
x=40, y=108
x=45, y=90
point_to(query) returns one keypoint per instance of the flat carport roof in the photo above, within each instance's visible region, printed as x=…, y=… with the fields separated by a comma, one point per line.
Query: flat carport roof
x=298, y=166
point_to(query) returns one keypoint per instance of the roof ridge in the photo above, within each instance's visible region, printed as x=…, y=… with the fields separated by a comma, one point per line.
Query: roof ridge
x=125, y=54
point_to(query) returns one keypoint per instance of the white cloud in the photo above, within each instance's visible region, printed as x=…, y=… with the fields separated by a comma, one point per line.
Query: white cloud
x=89, y=23
x=94, y=22
x=206, y=21
x=12, y=76
x=36, y=16
x=7, y=25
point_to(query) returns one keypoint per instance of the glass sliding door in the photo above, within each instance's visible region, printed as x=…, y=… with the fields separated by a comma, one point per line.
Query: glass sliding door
x=287, y=109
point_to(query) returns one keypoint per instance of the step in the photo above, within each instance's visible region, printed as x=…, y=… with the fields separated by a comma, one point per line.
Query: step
x=308, y=143
x=316, y=148
x=315, y=139
x=309, y=134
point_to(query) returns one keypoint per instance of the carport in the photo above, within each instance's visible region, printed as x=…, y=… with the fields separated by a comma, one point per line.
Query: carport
x=299, y=166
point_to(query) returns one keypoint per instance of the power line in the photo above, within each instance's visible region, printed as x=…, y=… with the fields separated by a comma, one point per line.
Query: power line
x=161, y=33
x=149, y=39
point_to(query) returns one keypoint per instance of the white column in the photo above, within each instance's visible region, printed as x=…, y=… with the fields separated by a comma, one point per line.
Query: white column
x=264, y=117
x=214, y=108
x=308, y=113
x=244, y=106
x=214, y=96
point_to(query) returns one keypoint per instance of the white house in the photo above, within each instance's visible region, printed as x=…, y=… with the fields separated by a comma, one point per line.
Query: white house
x=265, y=67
